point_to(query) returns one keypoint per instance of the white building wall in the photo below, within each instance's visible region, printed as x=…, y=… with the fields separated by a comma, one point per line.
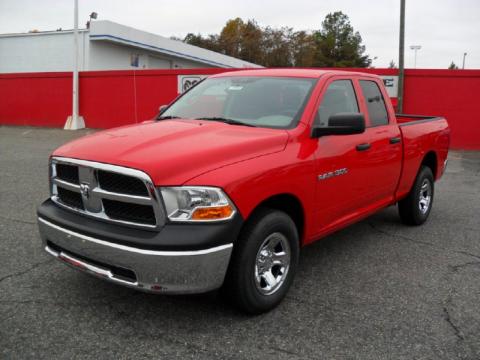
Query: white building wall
x=105, y=55
x=54, y=52
x=157, y=62
x=105, y=46
x=42, y=52
x=104, y=30
x=187, y=64
x=108, y=56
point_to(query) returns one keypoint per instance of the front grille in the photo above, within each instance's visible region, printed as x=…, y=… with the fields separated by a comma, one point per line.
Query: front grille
x=129, y=212
x=122, y=184
x=70, y=198
x=107, y=192
x=68, y=173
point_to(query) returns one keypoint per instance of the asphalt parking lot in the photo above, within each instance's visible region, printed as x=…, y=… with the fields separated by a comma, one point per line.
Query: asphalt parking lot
x=376, y=290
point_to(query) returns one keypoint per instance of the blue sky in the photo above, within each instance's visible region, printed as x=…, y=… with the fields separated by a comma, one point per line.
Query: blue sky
x=444, y=28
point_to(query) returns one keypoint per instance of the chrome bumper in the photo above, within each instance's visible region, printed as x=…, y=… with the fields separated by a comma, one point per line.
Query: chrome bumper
x=173, y=272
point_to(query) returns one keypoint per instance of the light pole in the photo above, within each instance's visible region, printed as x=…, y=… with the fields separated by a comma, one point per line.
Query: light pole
x=464, y=56
x=75, y=122
x=415, y=48
x=92, y=16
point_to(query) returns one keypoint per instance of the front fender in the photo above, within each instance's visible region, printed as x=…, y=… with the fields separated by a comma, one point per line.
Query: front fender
x=249, y=183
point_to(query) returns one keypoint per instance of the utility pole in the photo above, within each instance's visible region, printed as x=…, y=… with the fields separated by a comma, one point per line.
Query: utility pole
x=401, y=51
x=415, y=48
x=464, y=55
x=75, y=122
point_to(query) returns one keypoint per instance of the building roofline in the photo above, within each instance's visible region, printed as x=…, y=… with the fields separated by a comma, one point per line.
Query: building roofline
x=117, y=33
x=47, y=32
x=133, y=43
x=109, y=31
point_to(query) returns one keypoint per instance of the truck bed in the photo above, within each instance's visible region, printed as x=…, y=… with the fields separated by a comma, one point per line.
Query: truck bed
x=420, y=135
x=406, y=119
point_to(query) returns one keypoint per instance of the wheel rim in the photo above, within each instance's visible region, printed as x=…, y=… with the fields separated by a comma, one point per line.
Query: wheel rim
x=425, y=197
x=272, y=263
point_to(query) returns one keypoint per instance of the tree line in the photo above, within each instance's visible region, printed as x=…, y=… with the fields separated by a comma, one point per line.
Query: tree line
x=335, y=44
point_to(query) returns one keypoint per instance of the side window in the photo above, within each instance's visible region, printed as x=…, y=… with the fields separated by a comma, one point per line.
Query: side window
x=375, y=103
x=339, y=98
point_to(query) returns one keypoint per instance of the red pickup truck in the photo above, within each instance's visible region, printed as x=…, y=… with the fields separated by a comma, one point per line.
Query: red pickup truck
x=233, y=177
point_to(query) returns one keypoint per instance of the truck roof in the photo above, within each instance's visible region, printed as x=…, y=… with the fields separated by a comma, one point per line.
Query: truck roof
x=290, y=72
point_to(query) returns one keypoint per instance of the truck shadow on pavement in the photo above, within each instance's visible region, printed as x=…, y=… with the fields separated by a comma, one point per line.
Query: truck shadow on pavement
x=317, y=261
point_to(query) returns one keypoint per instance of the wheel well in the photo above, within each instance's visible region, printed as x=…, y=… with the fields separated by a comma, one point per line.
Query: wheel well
x=290, y=205
x=430, y=160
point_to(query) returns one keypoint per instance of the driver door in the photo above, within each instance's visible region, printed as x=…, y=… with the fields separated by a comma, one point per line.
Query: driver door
x=342, y=165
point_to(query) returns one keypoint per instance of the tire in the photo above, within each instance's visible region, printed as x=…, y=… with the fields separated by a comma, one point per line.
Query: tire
x=416, y=207
x=256, y=282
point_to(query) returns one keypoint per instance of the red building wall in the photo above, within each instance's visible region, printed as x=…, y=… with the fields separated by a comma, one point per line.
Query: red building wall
x=38, y=99
x=115, y=98
x=453, y=94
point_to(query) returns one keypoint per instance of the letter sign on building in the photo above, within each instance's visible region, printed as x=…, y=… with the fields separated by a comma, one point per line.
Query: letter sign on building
x=391, y=84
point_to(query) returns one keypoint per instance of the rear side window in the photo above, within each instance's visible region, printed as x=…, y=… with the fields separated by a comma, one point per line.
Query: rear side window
x=375, y=103
x=339, y=98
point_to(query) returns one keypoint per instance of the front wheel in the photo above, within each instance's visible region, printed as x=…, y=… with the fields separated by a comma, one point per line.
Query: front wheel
x=264, y=262
x=416, y=207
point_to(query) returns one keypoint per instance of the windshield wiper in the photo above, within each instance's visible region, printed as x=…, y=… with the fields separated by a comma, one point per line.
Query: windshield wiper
x=225, y=120
x=167, y=117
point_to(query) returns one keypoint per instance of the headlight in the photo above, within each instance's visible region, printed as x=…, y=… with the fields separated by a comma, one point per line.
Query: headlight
x=196, y=203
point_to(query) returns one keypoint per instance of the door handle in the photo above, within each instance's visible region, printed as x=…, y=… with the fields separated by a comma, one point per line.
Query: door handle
x=395, y=140
x=363, y=147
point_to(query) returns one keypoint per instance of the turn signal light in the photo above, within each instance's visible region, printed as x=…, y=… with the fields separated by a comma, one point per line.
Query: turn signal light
x=212, y=213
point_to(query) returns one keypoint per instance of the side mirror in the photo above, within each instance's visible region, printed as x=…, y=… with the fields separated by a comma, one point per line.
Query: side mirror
x=162, y=108
x=341, y=124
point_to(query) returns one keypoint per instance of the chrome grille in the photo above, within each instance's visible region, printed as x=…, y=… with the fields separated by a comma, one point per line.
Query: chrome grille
x=70, y=198
x=129, y=212
x=107, y=192
x=121, y=183
x=68, y=173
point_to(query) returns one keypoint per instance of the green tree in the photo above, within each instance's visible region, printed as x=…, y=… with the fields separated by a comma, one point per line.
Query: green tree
x=251, y=42
x=277, y=47
x=303, y=49
x=338, y=45
x=196, y=40
x=230, y=39
x=453, y=66
x=210, y=42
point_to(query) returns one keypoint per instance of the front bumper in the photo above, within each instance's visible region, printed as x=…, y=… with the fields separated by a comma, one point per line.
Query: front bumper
x=173, y=272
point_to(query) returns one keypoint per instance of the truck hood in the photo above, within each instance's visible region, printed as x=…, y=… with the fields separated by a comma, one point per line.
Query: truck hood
x=174, y=151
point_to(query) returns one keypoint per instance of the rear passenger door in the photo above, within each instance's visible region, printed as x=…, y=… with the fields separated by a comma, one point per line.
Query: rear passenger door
x=384, y=139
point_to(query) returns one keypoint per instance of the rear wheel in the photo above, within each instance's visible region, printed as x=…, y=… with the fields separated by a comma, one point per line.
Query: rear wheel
x=264, y=262
x=416, y=207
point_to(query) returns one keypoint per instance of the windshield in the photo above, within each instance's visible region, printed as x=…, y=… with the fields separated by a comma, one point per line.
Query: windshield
x=273, y=102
